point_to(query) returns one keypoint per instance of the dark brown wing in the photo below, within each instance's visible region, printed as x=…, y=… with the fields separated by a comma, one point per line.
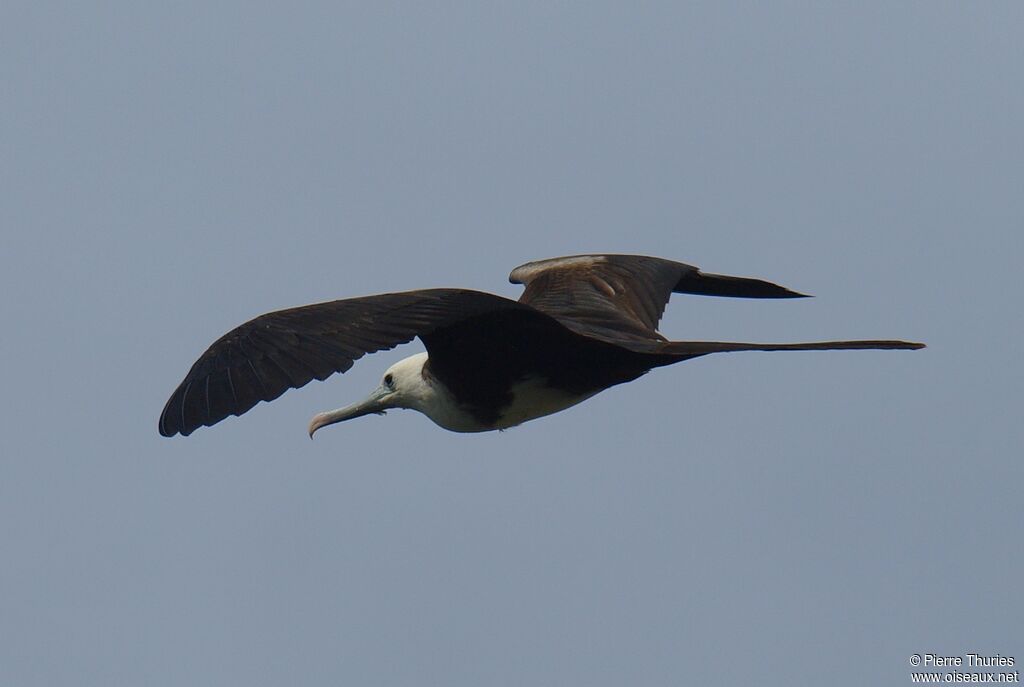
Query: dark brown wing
x=263, y=358
x=620, y=298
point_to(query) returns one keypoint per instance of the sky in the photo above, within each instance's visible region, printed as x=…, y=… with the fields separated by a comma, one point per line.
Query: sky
x=169, y=170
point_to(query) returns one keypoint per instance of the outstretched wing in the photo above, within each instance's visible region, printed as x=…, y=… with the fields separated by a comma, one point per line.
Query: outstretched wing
x=263, y=358
x=620, y=298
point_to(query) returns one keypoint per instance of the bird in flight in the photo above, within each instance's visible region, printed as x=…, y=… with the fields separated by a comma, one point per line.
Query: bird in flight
x=584, y=323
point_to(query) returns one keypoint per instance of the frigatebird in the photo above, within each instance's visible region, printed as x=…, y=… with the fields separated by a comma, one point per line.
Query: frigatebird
x=584, y=323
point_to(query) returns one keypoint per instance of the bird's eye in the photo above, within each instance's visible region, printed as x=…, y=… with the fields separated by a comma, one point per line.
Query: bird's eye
x=389, y=380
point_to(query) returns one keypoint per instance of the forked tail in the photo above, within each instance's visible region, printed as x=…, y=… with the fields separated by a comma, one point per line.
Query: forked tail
x=695, y=348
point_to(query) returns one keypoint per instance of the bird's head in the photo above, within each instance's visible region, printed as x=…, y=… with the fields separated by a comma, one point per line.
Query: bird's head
x=402, y=386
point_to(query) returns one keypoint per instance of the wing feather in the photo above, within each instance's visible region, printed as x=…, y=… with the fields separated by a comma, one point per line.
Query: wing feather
x=620, y=298
x=263, y=358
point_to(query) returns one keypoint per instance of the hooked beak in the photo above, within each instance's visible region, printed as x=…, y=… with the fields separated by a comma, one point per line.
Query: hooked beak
x=374, y=403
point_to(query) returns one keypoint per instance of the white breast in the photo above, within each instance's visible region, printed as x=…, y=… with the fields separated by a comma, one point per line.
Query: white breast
x=533, y=398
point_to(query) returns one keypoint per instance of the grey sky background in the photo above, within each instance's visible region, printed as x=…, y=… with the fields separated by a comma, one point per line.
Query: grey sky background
x=775, y=519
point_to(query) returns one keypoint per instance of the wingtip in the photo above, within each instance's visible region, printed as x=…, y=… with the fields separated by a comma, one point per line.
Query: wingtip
x=162, y=428
x=905, y=345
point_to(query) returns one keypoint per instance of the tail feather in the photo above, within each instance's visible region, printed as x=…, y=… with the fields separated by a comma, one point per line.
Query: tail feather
x=695, y=348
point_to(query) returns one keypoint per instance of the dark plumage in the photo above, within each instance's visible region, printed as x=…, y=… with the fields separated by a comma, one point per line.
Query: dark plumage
x=583, y=324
